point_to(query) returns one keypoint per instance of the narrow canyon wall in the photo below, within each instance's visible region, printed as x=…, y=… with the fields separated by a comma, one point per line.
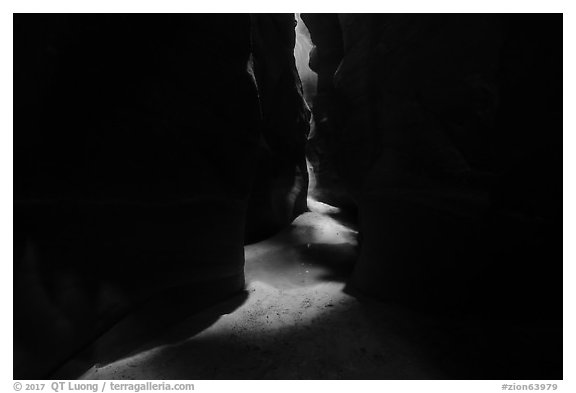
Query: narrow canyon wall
x=446, y=132
x=279, y=193
x=146, y=149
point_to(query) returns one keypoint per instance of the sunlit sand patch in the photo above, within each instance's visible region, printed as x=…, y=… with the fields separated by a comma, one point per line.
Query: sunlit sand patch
x=296, y=321
x=267, y=313
x=321, y=208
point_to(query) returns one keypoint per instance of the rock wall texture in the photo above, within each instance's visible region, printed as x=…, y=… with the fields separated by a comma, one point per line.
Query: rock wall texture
x=280, y=192
x=446, y=132
x=141, y=144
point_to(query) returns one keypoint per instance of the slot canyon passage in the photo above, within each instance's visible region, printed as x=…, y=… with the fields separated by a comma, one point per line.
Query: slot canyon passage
x=288, y=196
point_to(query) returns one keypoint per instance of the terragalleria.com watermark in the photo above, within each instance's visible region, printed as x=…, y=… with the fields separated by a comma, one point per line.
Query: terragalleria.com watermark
x=105, y=386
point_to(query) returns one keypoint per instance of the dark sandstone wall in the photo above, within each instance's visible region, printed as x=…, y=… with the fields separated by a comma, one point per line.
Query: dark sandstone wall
x=446, y=132
x=142, y=144
x=279, y=194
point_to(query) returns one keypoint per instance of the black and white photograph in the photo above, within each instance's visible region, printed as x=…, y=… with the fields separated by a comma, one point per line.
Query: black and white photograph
x=270, y=196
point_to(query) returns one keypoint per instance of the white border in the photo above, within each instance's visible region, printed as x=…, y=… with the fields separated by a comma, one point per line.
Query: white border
x=287, y=6
x=6, y=160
